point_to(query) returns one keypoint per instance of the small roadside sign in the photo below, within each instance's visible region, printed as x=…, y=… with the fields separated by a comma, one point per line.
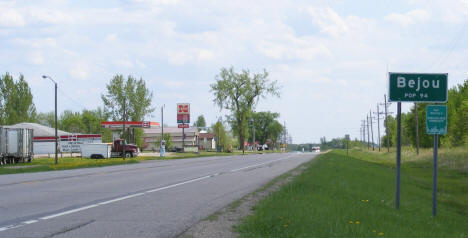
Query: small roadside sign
x=436, y=124
x=417, y=87
x=436, y=119
x=183, y=125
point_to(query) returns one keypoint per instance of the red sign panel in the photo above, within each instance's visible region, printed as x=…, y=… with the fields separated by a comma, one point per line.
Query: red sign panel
x=183, y=108
x=183, y=125
x=183, y=113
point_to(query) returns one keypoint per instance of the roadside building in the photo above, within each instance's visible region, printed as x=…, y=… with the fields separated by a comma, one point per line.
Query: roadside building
x=207, y=141
x=117, y=126
x=153, y=135
x=44, y=138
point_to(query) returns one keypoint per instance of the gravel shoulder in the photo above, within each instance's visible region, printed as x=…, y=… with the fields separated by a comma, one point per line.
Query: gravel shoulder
x=222, y=222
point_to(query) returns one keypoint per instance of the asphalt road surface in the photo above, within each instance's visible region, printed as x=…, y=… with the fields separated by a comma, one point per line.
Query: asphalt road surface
x=150, y=199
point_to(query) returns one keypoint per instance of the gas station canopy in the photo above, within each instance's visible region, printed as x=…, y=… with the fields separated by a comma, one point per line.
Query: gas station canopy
x=118, y=125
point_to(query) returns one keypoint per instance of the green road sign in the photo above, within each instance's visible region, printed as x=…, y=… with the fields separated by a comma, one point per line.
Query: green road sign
x=436, y=119
x=411, y=87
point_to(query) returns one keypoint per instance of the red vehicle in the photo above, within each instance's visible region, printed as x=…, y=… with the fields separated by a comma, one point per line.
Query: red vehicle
x=131, y=150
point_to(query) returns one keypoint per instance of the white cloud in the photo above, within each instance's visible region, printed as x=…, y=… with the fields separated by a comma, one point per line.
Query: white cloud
x=327, y=20
x=80, y=71
x=191, y=55
x=453, y=11
x=36, y=58
x=330, y=51
x=294, y=49
x=11, y=18
x=411, y=17
x=37, y=43
x=123, y=63
x=157, y=2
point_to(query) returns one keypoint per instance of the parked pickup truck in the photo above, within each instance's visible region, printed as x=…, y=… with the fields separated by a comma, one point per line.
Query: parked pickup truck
x=103, y=150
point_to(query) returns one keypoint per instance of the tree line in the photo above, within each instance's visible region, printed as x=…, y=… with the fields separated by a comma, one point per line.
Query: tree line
x=457, y=124
x=128, y=98
x=239, y=93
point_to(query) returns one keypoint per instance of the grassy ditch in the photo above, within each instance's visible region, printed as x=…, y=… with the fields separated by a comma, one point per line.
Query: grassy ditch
x=339, y=196
x=48, y=164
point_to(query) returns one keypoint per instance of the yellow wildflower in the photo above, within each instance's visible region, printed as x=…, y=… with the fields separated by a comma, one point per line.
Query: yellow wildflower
x=380, y=234
x=351, y=222
x=357, y=222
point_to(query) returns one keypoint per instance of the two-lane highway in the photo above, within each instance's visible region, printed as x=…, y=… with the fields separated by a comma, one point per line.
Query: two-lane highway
x=151, y=199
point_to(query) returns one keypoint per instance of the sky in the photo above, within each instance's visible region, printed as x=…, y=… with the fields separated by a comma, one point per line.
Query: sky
x=330, y=58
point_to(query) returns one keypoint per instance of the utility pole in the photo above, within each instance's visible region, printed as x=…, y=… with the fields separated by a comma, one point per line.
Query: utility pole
x=363, y=131
x=372, y=130
x=378, y=113
x=124, y=153
x=360, y=134
x=253, y=125
x=162, y=143
x=386, y=122
x=368, y=135
x=417, y=128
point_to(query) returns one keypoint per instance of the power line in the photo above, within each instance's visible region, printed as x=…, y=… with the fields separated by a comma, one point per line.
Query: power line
x=70, y=98
x=442, y=59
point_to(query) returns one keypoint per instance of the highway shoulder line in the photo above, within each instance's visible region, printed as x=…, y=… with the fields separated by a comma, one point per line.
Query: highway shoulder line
x=67, y=212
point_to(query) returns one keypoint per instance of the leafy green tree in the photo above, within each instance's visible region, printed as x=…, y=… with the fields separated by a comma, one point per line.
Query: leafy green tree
x=167, y=138
x=128, y=100
x=266, y=127
x=457, y=113
x=91, y=120
x=239, y=93
x=16, y=101
x=200, y=122
x=129, y=97
x=220, y=134
x=71, y=122
x=46, y=119
x=391, y=122
x=425, y=140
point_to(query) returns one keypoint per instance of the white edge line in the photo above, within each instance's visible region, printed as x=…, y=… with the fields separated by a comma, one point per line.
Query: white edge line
x=123, y=198
x=68, y=212
x=177, y=184
x=30, y=222
x=235, y=170
x=120, y=199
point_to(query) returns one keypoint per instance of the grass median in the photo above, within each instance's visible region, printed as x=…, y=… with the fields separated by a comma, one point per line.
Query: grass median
x=340, y=196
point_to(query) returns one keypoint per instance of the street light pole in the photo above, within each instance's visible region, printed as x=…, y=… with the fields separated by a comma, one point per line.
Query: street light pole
x=56, y=134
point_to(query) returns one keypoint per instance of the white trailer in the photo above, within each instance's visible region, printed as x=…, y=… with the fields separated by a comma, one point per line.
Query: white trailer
x=96, y=150
x=16, y=144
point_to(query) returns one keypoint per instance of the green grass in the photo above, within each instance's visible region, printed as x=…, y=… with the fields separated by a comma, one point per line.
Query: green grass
x=336, y=190
x=48, y=164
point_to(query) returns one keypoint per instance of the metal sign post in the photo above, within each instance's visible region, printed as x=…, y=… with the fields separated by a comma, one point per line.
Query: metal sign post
x=436, y=124
x=347, y=141
x=413, y=87
x=398, y=156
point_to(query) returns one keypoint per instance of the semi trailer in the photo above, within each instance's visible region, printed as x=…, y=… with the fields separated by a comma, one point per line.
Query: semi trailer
x=16, y=145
